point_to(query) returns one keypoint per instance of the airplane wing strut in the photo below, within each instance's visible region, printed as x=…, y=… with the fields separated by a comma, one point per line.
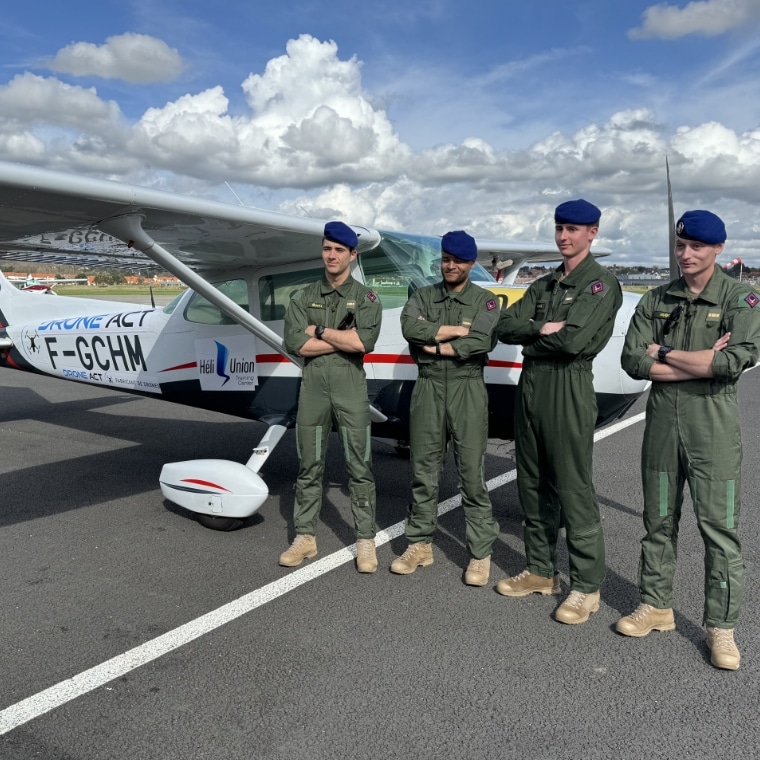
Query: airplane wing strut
x=128, y=228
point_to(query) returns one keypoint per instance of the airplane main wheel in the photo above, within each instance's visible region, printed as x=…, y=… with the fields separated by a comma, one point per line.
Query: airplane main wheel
x=219, y=523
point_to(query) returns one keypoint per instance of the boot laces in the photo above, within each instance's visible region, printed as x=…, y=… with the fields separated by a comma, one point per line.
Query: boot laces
x=478, y=565
x=411, y=550
x=524, y=574
x=298, y=541
x=641, y=612
x=575, y=599
x=723, y=638
x=364, y=549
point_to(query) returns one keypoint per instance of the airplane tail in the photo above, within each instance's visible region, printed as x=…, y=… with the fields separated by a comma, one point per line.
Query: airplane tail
x=8, y=292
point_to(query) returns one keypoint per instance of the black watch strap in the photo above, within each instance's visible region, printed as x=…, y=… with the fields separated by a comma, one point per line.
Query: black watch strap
x=319, y=332
x=662, y=352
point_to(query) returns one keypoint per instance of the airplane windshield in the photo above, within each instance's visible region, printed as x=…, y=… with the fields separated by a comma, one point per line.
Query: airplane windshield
x=172, y=305
x=402, y=263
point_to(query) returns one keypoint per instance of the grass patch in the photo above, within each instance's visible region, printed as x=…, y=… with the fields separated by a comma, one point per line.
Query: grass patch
x=97, y=291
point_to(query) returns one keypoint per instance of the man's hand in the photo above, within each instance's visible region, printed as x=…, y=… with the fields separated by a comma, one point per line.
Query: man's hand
x=449, y=332
x=310, y=329
x=547, y=328
x=722, y=342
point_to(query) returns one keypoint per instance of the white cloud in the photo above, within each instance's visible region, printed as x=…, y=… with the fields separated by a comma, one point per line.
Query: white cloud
x=296, y=135
x=29, y=99
x=704, y=17
x=330, y=151
x=131, y=57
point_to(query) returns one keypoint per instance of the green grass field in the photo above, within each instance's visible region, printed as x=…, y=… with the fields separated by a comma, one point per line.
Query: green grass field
x=105, y=291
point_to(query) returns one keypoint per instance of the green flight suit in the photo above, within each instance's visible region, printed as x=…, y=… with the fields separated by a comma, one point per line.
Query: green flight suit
x=692, y=434
x=334, y=393
x=449, y=400
x=555, y=414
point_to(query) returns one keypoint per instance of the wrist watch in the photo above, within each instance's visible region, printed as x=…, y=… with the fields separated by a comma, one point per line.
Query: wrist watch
x=437, y=349
x=319, y=332
x=662, y=352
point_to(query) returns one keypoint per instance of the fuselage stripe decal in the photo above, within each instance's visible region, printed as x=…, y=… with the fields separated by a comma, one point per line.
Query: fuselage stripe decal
x=381, y=359
x=206, y=483
x=189, y=365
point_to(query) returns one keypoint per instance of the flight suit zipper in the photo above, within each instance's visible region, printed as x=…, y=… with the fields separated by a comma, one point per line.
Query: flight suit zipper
x=555, y=290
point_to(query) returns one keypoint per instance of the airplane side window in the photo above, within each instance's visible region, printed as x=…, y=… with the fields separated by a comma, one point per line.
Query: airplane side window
x=276, y=291
x=203, y=312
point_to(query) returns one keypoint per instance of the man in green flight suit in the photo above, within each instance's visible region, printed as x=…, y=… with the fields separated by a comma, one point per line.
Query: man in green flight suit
x=332, y=324
x=563, y=321
x=450, y=330
x=693, y=338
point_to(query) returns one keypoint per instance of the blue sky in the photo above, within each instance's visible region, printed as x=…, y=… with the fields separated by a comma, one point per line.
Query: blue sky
x=416, y=116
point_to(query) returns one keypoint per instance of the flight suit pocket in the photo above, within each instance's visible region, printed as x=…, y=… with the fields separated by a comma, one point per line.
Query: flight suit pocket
x=316, y=314
x=484, y=321
x=581, y=309
x=542, y=310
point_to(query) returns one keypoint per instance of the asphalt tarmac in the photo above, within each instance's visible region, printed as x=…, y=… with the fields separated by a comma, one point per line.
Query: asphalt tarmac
x=129, y=631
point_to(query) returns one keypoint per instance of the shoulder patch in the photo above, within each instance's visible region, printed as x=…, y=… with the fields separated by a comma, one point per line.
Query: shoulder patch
x=752, y=300
x=597, y=287
x=371, y=296
x=491, y=304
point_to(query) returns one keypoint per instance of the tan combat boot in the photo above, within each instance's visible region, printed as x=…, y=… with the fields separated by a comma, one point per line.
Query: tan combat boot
x=645, y=619
x=416, y=555
x=366, y=559
x=303, y=547
x=527, y=583
x=478, y=571
x=723, y=651
x=577, y=607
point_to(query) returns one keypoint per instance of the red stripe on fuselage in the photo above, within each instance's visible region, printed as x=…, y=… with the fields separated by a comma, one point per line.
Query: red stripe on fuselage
x=382, y=359
x=206, y=483
x=189, y=365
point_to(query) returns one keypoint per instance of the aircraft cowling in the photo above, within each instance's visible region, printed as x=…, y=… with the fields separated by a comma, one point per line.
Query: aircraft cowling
x=216, y=487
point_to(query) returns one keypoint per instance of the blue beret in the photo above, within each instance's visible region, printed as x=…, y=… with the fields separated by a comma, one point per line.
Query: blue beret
x=460, y=244
x=703, y=226
x=577, y=212
x=341, y=233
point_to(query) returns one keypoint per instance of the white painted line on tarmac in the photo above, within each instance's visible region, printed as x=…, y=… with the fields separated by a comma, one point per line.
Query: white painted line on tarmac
x=28, y=709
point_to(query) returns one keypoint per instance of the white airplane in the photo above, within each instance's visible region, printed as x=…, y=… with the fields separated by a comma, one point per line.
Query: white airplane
x=219, y=345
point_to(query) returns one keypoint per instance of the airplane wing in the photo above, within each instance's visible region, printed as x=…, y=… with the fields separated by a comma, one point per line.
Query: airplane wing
x=50, y=217
x=54, y=218
x=508, y=257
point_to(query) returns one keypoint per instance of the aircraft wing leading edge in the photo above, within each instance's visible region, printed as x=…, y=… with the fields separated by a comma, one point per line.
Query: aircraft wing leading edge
x=51, y=217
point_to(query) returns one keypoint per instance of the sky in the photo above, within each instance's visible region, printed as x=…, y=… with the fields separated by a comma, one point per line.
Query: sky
x=416, y=116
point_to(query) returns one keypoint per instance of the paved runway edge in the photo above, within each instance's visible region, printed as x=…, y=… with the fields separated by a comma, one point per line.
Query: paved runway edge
x=43, y=702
